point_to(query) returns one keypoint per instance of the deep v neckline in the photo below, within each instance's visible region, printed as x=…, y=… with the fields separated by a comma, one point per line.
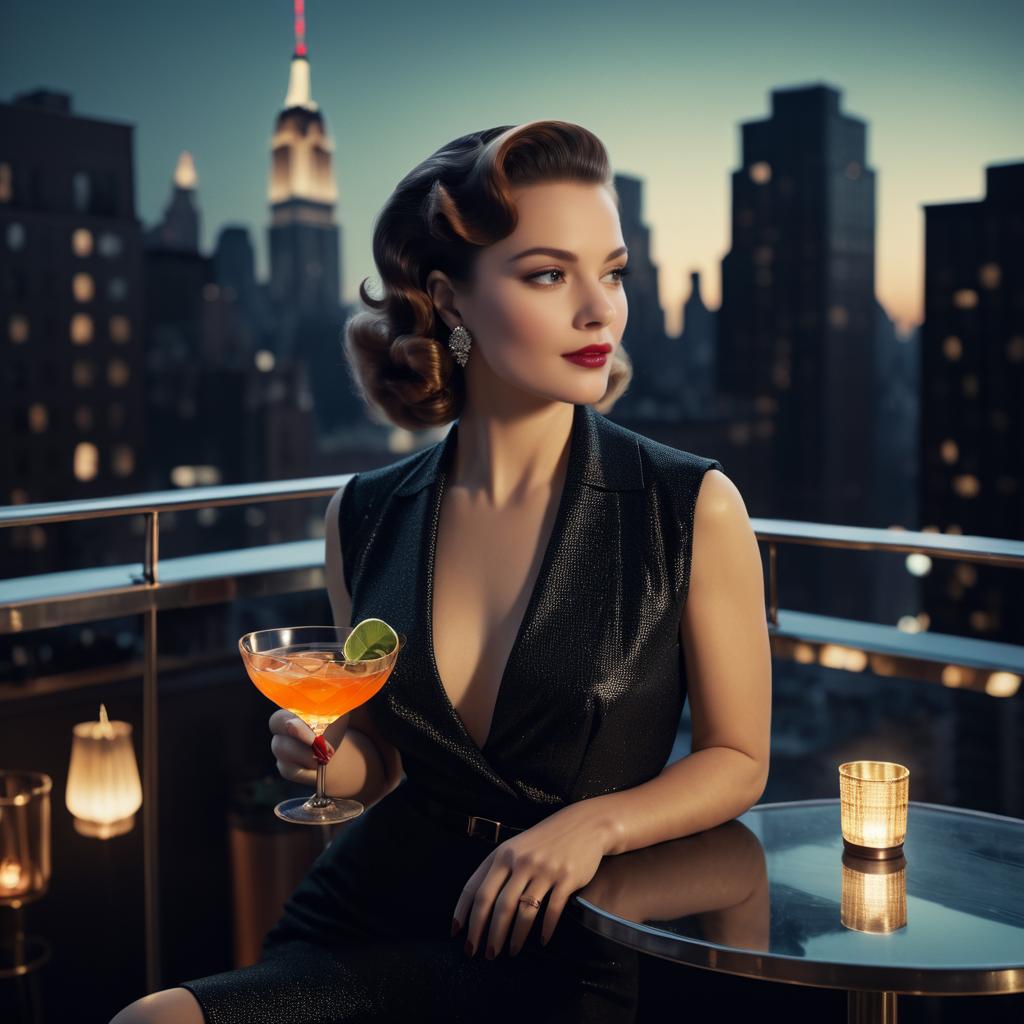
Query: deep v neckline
x=569, y=486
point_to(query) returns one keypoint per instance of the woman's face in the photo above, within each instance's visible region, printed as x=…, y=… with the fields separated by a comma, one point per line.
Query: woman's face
x=526, y=310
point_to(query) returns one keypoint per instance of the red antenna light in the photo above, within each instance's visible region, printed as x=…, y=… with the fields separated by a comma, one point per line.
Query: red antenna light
x=300, y=29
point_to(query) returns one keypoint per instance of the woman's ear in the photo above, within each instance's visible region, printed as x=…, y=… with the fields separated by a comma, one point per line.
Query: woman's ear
x=442, y=294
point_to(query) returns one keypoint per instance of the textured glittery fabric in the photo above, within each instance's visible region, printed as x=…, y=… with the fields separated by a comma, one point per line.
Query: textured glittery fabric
x=366, y=934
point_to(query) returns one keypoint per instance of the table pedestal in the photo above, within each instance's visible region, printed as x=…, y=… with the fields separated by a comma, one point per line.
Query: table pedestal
x=870, y=1007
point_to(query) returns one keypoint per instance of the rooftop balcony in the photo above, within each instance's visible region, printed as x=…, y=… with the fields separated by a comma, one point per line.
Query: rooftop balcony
x=168, y=901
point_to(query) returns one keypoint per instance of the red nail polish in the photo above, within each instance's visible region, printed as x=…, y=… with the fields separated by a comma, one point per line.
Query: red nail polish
x=455, y=926
x=490, y=952
x=468, y=948
x=322, y=750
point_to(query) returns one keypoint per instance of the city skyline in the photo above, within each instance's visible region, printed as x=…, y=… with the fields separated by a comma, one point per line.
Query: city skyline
x=956, y=80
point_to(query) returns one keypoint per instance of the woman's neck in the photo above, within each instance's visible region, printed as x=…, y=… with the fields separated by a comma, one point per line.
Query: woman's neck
x=503, y=457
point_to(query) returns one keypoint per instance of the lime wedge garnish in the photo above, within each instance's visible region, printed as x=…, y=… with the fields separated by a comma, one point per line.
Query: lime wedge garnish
x=370, y=639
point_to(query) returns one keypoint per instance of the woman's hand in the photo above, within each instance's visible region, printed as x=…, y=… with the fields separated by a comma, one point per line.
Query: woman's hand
x=558, y=856
x=291, y=743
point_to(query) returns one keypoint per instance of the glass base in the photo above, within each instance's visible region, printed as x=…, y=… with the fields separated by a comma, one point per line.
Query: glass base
x=331, y=811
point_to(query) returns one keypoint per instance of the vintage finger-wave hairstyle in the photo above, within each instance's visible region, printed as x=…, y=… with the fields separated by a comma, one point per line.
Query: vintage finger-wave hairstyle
x=440, y=215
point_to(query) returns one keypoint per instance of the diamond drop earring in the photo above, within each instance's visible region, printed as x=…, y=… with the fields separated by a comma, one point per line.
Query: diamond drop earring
x=459, y=342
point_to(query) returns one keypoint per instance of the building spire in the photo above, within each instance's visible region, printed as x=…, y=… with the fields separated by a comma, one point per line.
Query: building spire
x=300, y=28
x=298, y=94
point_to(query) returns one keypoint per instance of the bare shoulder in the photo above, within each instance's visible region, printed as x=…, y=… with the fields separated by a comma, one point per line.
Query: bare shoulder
x=720, y=506
x=725, y=547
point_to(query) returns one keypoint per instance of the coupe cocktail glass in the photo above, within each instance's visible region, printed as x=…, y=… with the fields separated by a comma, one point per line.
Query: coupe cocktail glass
x=303, y=669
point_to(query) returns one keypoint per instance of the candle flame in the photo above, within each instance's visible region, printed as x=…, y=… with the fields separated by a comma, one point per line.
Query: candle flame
x=105, y=730
x=10, y=874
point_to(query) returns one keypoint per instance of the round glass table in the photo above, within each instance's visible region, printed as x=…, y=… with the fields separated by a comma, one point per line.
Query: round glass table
x=773, y=895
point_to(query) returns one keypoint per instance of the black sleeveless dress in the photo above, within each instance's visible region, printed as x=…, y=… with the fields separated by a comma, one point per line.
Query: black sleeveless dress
x=589, y=703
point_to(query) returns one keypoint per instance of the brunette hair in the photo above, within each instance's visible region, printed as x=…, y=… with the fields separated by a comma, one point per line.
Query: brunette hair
x=439, y=216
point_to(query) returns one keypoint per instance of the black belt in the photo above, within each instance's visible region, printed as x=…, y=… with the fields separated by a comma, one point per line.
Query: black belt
x=488, y=829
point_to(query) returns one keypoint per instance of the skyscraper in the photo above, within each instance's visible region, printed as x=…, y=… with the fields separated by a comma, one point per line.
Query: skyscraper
x=303, y=236
x=71, y=310
x=972, y=406
x=797, y=318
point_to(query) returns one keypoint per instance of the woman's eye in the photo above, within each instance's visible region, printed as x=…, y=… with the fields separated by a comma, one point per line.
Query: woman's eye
x=621, y=271
x=543, y=273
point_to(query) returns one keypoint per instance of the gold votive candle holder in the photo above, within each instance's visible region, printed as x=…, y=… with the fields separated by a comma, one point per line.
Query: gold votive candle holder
x=873, y=798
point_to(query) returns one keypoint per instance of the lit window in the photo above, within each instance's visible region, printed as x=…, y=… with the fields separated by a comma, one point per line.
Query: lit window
x=967, y=485
x=981, y=622
x=87, y=461
x=117, y=289
x=853, y=170
x=82, y=287
x=965, y=298
x=81, y=328
x=264, y=360
x=117, y=373
x=761, y=172
x=989, y=275
x=120, y=329
x=19, y=496
x=81, y=242
x=918, y=563
x=1015, y=349
x=83, y=373
x=6, y=182
x=38, y=418
x=15, y=236
x=17, y=328
x=952, y=348
x=838, y=316
x=950, y=451
x=966, y=574
x=183, y=476
x=83, y=418
x=37, y=538
x=124, y=460
x=763, y=256
x=970, y=385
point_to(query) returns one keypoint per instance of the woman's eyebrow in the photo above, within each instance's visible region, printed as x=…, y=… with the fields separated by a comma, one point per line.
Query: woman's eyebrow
x=563, y=254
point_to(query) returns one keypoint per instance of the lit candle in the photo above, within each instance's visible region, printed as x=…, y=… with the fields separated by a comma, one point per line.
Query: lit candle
x=104, y=790
x=873, y=799
x=24, y=836
x=11, y=883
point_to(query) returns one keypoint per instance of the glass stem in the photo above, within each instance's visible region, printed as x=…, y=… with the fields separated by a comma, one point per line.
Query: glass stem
x=321, y=776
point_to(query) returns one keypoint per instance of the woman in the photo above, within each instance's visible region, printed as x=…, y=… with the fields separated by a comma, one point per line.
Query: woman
x=564, y=583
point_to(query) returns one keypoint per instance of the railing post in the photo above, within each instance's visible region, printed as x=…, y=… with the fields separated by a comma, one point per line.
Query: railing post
x=773, y=583
x=150, y=750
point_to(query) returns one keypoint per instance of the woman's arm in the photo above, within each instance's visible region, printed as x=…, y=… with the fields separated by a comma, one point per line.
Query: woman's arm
x=365, y=766
x=724, y=632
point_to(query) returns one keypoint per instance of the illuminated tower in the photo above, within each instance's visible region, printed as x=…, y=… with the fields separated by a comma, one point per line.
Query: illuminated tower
x=180, y=227
x=304, y=239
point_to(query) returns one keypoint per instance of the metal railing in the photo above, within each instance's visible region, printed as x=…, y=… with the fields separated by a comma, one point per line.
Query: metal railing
x=89, y=595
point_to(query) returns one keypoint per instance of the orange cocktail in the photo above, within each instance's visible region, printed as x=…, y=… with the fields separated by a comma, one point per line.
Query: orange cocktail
x=304, y=669
x=316, y=685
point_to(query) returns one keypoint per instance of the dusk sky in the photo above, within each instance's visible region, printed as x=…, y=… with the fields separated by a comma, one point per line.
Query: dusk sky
x=664, y=85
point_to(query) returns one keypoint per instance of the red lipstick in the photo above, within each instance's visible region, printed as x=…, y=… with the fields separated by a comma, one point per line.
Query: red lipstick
x=591, y=355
